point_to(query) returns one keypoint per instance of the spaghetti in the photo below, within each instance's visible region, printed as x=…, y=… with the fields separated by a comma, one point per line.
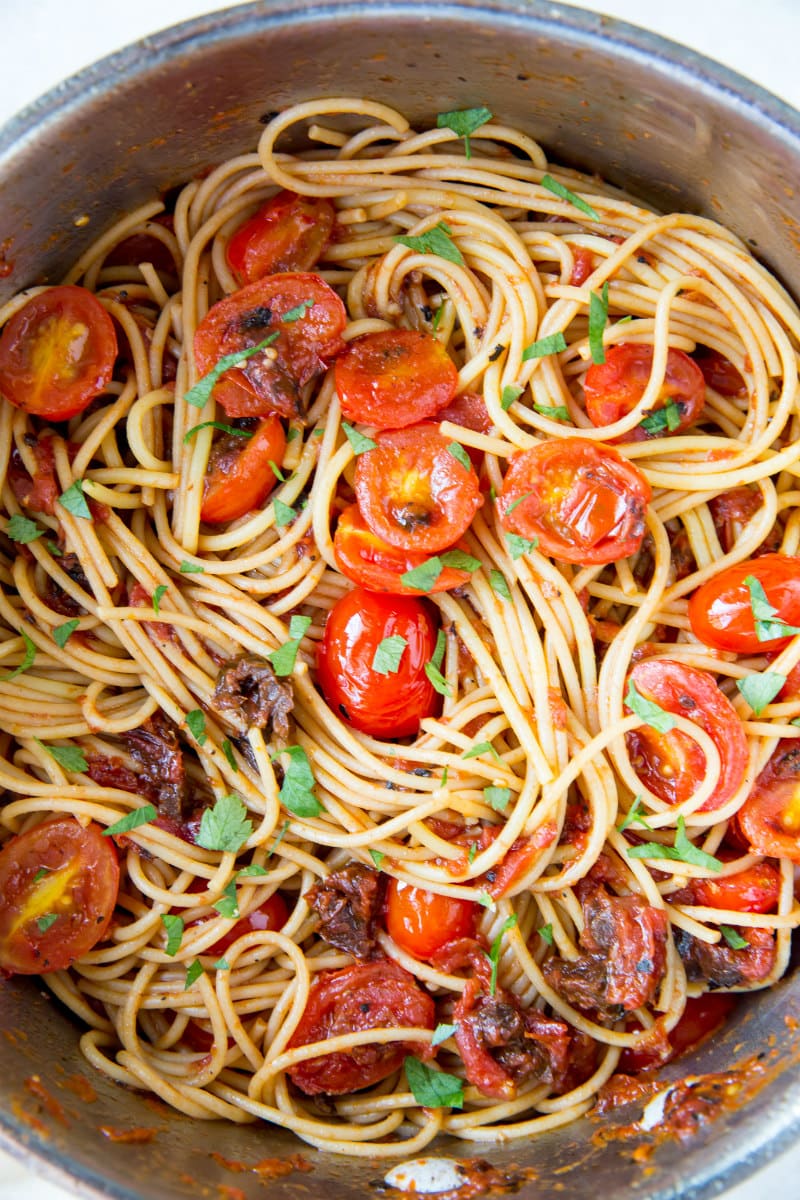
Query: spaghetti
x=585, y=829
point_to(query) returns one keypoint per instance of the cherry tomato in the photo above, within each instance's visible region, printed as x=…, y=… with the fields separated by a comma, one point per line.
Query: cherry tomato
x=754, y=890
x=719, y=372
x=394, y=378
x=720, y=611
x=375, y=565
x=615, y=387
x=239, y=476
x=584, y=502
x=413, y=492
x=672, y=765
x=270, y=380
x=288, y=233
x=272, y=914
x=58, y=887
x=145, y=247
x=421, y=922
x=769, y=820
x=375, y=995
x=469, y=410
x=382, y=705
x=41, y=491
x=732, y=511
x=582, y=265
x=57, y=353
x=702, y=1016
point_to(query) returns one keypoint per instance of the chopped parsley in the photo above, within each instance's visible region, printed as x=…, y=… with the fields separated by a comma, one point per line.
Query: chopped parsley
x=598, y=316
x=225, y=826
x=434, y=241
x=564, y=193
x=554, y=343
x=388, y=654
x=132, y=820
x=464, y=122
x=199, y=395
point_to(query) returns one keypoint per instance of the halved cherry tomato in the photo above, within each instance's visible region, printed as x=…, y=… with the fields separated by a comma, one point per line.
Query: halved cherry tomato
x=769, y=820
x=702, y=1016
x=41, y=491
x=614, y=388
x=582, y=265
x=394, y=378
x=288, y=233
x=57, y=353
x=421, y=922
x=672, y=765
x=58, y=887
x=239, y=476
x=413, y=492
x=732, y=511
x=375, y=565
x=272, y=914
x=754, y=890
x=270, y=380
x=387, y=705
x=719, y=372
x=469, y=410
x=584, y=502
x=375, y=995
x=721, y=613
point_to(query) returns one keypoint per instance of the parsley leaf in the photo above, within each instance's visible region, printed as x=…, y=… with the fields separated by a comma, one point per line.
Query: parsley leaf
x=432, y=1088
x=473, y=850
x=196, y=724
x=74, y=501
x=764, y=614
x=438, y=680
x=434, y=241
x=40, y=874
x=564, y=193
x=760, y=690
x=199, y=395
x=276, y=471
x=514, y=503
x=224, y=827
x=230, y=429
x=460, y=455
x=497, y=797
x=221, y=964
x=546, y=933
x=190, y=568
x=682, y=851
x=660, y=419
x=62, y=633
x=438, y=651
x=174, y=927
x=359, y=441
x=511, y=392
x=251, y=871
x=459, y=560
x=481, y=748
x=463, y=122
x=598, y=316
x=441, y=1033
x=519, y=545
x=556, y=412
x=69, y=757
x=494, y=953
x=283, y=659
x=552, y=344
x=132, y=820
x=423, y=577
x=21, y=529
x=228, y=905
x=499, y=584
x=46, y=921
x=652, y=714
x=377, y=857
x=284, y=514
x=30, y=655
x=634, y=816
x=193, y=973
x=388, y=653
x=157, y=595
x=297, y=793
x=733, y=938
x=295, y=314
x=227, y=750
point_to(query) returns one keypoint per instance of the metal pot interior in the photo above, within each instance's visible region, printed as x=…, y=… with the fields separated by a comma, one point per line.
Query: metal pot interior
x=676, y=131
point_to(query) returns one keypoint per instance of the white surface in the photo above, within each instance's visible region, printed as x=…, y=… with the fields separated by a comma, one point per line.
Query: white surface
x=46, y=40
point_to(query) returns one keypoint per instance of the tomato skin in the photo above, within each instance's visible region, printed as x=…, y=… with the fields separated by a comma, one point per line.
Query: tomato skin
x=469, y=410
x=373, y=564
x=288, y=233
x=769, y=820
x=303, y=347
x=80, y=886
x=57, y=353
x=421, y=922
x=366, y=996
x=272, y=914
x=383, y=706
x=614, y=388
x=584, y=502
x=702, y=1016
x=394, y=378
x=413, y=493
x=754, y=890
x=672, y=765
x=720, y=611
x=719, y=372
x=239, y=477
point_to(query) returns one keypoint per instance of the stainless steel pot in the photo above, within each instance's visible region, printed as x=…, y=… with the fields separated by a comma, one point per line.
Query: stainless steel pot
x=671, y=127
